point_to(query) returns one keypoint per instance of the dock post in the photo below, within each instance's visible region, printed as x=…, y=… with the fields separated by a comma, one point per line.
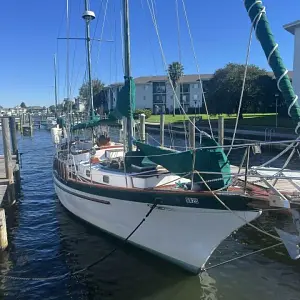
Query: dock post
x=21, y=123
x=7, y=150
x=221, y=130
x=142, y=127
x=30, y=124
x=3, y=232
x=162, y=129
x=247, y=168
x=13, y=134
x=192, y=133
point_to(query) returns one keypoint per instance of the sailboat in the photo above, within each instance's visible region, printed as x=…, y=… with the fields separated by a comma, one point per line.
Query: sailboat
x=185, y=201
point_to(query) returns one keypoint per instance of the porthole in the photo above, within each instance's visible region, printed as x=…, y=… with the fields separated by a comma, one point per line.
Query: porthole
x=105, y=179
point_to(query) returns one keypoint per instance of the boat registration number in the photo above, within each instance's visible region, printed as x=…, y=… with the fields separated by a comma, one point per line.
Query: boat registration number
x=192, y=200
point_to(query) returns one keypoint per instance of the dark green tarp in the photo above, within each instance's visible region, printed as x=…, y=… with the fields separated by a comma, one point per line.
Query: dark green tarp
x=96, y=121
x=181, y=162
x=126, y=100
x=124, y=108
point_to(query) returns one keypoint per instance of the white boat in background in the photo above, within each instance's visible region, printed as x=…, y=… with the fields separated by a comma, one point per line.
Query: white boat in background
x=50, y=123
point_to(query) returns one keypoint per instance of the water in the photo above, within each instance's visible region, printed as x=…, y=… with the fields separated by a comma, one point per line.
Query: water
x=46, y=240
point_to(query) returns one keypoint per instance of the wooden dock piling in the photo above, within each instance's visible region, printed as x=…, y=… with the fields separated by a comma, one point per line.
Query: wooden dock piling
x=162, y=129
x=9, y=172
x=7, y=150
x=3, y=232
x=9, y=168
x=221, y=130
x=13, y=133
x=142, y=127
x=192, y=133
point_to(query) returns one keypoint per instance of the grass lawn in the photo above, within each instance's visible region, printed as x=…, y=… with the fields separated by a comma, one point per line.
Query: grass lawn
x=265, y=120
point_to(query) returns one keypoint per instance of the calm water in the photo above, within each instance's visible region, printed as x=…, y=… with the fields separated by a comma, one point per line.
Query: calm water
x=45, y=240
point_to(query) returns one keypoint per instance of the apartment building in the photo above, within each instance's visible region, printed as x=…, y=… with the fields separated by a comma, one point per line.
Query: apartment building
x=155, y=93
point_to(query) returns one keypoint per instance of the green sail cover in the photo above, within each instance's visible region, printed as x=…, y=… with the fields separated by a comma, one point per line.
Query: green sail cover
x=206, y=160
x=126, y=100
x=266, y=38
x=124, y=108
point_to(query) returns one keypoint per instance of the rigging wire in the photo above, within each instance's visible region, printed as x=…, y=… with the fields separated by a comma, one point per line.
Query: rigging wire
x=149, y=40
x=101, y=34
x=178, y=30
x=68, y=49
x=72, y=89
x=244, y=81
x=198, y=67
x=122, y=40
x=166, y=66
x=154, y=20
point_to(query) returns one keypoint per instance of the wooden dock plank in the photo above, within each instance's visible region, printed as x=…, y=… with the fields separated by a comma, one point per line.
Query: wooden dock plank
x=2, y=192
x=2, y=166
x=283, y=185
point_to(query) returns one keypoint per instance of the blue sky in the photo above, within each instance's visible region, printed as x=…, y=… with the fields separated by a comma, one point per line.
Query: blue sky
x=30, y=29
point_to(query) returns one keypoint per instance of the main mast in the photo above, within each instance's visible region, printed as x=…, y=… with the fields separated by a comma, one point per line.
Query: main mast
x=127, y=68
x=88, y=16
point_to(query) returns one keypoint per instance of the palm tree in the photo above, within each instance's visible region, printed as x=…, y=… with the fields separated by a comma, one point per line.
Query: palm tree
x=175, y=71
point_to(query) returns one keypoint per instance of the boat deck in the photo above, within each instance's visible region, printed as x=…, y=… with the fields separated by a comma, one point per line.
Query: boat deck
x=288, y=187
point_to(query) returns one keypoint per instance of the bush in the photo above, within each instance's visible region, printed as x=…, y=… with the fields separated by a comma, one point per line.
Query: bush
x=146, y=112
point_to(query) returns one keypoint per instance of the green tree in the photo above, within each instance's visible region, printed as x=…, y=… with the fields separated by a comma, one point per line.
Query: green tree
x=52, y=109
x=23, y=105
x=67, y=106
x=175, y=71
x=98, y=86
x=224, y=90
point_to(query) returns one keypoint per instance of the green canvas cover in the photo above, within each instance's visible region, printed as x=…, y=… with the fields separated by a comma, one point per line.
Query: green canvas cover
x=96, y=121
x=266, y=38
x=126, y=100
x=206, y=160
x=124, y=108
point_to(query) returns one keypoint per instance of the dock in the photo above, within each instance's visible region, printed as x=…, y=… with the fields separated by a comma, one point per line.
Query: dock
x=9, y=162
x=280, y=186
x=9, y=173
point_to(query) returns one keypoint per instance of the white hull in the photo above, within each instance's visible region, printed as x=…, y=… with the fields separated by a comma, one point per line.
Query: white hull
x=186, y=236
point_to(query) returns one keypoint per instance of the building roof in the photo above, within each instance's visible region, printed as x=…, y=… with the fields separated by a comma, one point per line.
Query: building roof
x=292, y=26
x=184, y=79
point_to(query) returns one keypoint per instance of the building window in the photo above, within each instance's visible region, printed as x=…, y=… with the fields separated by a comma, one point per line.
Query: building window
x=105, y=179
x=159, y=97
x=146, y=87
x=88, y=173
x=185, y=95
x=196, y=86
x=159, y=87
x=195, y=97
x=184, y=88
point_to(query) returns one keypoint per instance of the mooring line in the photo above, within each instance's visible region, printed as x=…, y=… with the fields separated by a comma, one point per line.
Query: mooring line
x=69, y=274
x=239, y=257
